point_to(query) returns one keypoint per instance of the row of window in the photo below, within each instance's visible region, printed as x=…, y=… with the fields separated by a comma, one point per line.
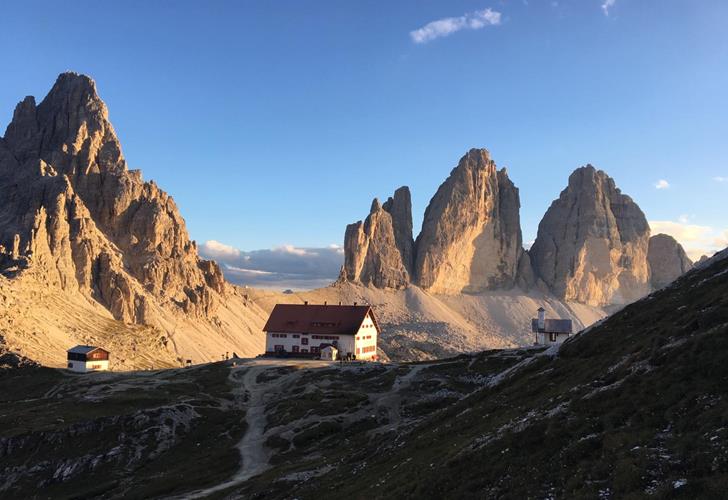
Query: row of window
x=322, y=323
x=325, y=337
x=279, y=335
x=366, y=349
x=295, y=348
x=364, y=337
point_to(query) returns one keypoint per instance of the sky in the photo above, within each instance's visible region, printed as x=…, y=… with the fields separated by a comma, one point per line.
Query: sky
x=273, y=124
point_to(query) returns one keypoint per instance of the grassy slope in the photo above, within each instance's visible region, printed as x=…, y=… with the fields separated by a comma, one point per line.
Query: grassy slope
x=637, y=405
x=133, y=435
x=634, y=406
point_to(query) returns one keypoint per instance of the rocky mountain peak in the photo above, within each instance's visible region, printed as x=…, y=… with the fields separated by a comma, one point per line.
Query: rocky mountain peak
x=379, y=250
x=592, y=243
x=668, y=260
x=376, y=206
x=73, y=208
x=471, y=237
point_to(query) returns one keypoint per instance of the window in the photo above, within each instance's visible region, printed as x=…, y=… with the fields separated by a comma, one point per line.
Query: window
x=296, y=336
x=552, y=337
x=278, y=348
x=358, y=351
x=315, y=350
x=370, y=348
x=304, y=341
x=294, y=348
x=95, y=367
x=70, y=365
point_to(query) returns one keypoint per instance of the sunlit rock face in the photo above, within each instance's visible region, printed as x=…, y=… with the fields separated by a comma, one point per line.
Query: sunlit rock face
x=592, y=243
x=72, y=208
x=668, y=260
x=471, y=236
x=379, y=250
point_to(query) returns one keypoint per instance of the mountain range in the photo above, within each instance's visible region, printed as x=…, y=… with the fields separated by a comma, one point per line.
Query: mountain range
x=593, y=244
x=91, y=253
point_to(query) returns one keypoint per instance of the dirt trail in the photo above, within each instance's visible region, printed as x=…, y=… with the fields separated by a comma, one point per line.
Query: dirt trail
x=392, y=400
x=254, y=454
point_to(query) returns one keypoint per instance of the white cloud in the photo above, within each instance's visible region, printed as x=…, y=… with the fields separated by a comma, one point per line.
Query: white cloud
x=285, y=266
x=449, y=25
x=606, y=5
x=697, y=240
x=718, y=178
x=216, y=250
x=662, y=184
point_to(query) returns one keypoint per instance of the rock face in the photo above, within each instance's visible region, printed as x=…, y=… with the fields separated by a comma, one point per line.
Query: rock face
x=72, y=208
x=667, y=259
x=592, y=243
x=379, y=251
x=471, y=235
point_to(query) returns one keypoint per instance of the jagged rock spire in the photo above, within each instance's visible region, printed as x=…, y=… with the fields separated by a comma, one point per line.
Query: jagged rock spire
x=592, y=243
x=73, y=208
x=471, y=236
x=379, y=250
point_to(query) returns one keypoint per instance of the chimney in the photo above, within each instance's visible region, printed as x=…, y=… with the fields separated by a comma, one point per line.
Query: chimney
x=325, y=303
x=339, y=302
x=305, y=302
x=541, y=318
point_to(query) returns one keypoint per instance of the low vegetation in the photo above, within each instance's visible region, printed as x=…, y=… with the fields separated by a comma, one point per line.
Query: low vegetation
x=634, y=407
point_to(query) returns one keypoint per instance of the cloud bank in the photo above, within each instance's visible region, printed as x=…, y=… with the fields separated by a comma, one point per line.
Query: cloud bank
x=278, y=268
x=697, y=240
x=449, y=25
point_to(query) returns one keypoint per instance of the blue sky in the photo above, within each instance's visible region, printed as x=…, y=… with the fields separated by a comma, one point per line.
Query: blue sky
x=276, y=122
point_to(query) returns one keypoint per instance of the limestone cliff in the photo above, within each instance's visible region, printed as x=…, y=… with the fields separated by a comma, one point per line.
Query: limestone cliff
x=379, y=250
x=592, y=243
x=471, y=235
x=73, y=207
x=76, y=219
x=668, y=260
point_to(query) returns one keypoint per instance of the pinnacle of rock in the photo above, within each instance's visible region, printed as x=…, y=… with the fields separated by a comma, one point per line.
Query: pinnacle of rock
x=72, y=208
x=378, y=251
x=471, y=237
x=592, y=243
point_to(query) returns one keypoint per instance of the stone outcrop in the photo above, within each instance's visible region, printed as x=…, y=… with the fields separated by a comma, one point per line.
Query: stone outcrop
x=592, y=243
x=379, y=251
x=471, y=235
x=668, y=260
x=73, y=208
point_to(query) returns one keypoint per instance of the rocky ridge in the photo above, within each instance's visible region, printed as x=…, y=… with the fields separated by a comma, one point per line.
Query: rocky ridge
x=89, y=226
x=470, y=239
x=592, y=244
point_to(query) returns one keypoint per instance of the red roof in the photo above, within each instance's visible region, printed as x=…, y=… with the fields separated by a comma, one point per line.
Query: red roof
x=318, y=319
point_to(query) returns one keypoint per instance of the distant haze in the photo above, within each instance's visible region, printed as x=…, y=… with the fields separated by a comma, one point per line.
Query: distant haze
x=281, y=268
